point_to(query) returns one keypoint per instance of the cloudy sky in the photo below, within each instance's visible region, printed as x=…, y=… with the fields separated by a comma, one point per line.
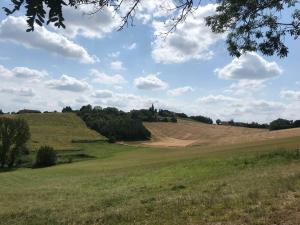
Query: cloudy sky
x=188, y=71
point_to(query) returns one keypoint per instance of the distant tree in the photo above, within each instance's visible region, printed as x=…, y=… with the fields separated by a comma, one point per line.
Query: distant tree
x=67, y=109
x=1, y=112
x=280, y=124
x=24, y=111
x=202, y=119
x=181, y=115
x=14, y=134
x=46, y=156
x=296, y=123
x=218, y=121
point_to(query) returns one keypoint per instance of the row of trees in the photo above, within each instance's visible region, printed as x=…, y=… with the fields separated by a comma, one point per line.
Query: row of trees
x=202, y=119
x=242, y=124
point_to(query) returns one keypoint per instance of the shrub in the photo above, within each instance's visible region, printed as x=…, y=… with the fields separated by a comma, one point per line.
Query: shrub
x=45, y=156
x=202, y=119
x=67, y=109
x=112, y=140
x=174, y=119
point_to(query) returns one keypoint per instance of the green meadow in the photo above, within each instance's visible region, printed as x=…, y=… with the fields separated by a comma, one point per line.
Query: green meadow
x=243, y=184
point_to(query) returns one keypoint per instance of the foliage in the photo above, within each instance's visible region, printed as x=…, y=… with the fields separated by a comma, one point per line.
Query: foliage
x=1, y=112
x=23, y=111
x=45, y=157
x=280, y=124
x=242, y=124
x=250, y=25
x=202, y=119
x=256, y=25
x=67, y=109
x=218, y=121
x=296, y=123
x=14, y=133
x=153, y=115
x=113, y=123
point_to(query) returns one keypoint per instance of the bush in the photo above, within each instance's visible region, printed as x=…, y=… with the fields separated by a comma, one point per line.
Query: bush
x=112, y=140
x=45, y=156
x=202, y=119
x=296, y=123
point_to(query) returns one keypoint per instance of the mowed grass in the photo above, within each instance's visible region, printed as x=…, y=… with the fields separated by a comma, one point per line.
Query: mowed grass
x=256, y=183
x=58, y=130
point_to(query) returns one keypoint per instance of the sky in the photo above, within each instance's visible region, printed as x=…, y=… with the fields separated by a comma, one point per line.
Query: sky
x=188, y=71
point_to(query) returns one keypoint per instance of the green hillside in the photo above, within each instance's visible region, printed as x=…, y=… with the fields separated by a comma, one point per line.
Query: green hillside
x=57, y=130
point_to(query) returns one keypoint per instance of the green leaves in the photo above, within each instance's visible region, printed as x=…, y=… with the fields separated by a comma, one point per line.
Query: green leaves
x=255, y=25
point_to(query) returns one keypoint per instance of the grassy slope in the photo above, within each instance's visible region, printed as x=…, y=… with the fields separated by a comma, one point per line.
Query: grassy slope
x=57, y=130
x=135, y=185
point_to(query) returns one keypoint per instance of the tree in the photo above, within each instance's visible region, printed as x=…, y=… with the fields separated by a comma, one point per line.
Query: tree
x=1, y=112
x=218, y=122
x=14, y=133
x=296, y=123
x=280, y=124
x=67, y=109
x=250, y=25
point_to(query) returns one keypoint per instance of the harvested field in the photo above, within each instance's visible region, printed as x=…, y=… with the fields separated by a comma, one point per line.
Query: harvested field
x=190, y=133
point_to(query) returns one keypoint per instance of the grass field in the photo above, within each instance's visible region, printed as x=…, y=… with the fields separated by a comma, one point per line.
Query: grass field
x=230, y=184
x=251, y=181
x=58, y=130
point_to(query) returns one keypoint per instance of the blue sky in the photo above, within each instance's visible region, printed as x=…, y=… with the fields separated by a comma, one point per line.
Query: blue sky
x=188, y=71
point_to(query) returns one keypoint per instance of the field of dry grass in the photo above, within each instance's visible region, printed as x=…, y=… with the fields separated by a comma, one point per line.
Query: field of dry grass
x=190, y=133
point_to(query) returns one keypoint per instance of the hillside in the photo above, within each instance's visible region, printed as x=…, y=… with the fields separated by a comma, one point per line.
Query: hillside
x=186, y=133
x=57, y=129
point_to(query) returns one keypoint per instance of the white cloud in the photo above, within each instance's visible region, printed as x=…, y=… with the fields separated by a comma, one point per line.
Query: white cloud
x=85, y=23
x=25, y=72
x=22, y=73
x=130, y=47
x=24, y=92
x=212, y=99
x=146, y=10
x=246, y=87
x=103, y=94
x=5, y=73
x=114, y=54
x=68, y=83
x=150, y=82
x=191, y=40
x=290, y=95
x=13, y=29
x=103, y=78
x=117, y=65
x=249, y=66
x=180, y=91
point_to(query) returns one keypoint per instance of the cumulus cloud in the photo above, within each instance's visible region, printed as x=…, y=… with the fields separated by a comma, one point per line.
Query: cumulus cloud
x=103, y=94
x=150, y=82
x=5, y=73
x=23, y=92
x=246, y=87
x=180, y=91
x=84, y=23
x=290, y=95
x=25, y=72
x=22, y=73
x=103, y=78
x=12, y=29
x=130, y=47
x=249, y=66
x=117, y=65
x=212, y=99
x=191, y=40
x=68, y=83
